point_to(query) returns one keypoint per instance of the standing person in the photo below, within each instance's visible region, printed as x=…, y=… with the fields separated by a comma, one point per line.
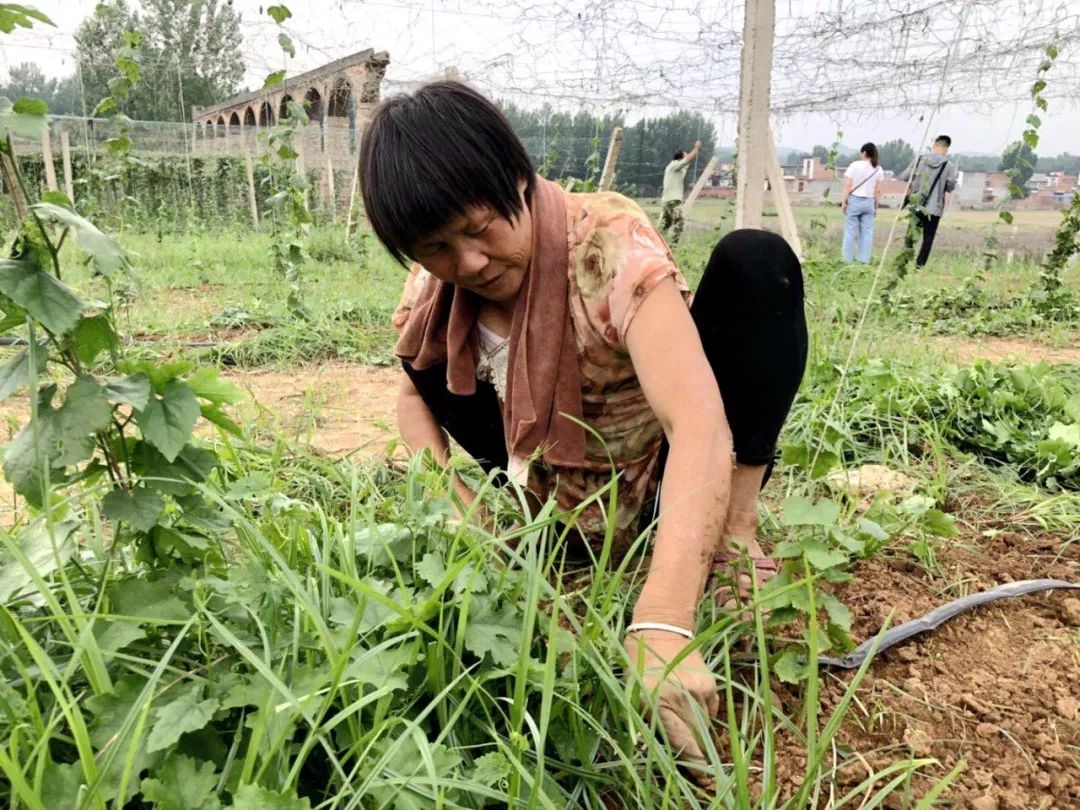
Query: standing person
x=674, y=179
x=932, y=178
x=859, y=202
x=530, y=312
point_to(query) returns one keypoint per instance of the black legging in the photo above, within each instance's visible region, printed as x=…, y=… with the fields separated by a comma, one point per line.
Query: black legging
x=749, y=312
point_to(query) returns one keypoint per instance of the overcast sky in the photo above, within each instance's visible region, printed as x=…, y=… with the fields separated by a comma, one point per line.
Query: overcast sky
x=502, y=50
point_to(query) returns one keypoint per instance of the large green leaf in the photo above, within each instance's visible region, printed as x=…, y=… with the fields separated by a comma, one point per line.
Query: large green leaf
x=60, y=784
x=206, y=382
x=140, y=508
x=91, y=336
x=19, y=371
x=133, y=391
x=86, y=410
x=253, y=797
x=382, y=667
x=193, y=465
x=16, y=14
x=167, y=421
x=493, y=632
x=44, y=552
x=41, y=294
x=20, y=119
x=107, y=256
x=185, y=712
x=60, y=437
x=146, y=599
x=111, y=709
x=182, y=783
x=801, y=512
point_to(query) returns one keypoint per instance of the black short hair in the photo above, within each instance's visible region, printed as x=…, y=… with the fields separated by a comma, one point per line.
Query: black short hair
x=943, y=140
x=679, y=155
x=427, y=157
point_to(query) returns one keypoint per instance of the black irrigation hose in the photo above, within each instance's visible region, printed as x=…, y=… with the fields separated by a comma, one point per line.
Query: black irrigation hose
x=939, y=616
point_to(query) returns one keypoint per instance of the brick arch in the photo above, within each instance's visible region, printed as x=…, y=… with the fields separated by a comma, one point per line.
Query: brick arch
x=221, y=120
x=313, y=104
x=249, y=117
x=340, y=101
x=283, y=109
x=266, y=114
x=234, y=119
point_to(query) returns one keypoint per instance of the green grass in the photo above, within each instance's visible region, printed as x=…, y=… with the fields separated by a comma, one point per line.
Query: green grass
x=336, y=638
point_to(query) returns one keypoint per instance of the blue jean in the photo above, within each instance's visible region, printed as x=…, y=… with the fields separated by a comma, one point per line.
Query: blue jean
x=859, y=227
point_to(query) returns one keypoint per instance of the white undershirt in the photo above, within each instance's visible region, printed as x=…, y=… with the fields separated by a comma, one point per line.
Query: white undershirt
x=492, y=368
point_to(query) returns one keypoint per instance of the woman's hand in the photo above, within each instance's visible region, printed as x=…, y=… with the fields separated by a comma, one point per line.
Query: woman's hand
x=843, y=205
x=684, y=699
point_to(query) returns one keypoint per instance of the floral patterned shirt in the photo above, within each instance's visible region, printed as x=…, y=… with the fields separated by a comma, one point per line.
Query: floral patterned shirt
x=616, y=258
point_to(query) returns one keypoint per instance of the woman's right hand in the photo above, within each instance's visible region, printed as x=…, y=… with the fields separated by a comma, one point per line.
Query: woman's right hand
x=843, y=206
x=683, y=698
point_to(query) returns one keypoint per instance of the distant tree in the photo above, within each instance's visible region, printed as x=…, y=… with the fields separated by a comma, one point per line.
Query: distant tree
x=795, y=157
x=895, y=156
x=190, y=54
x=1019, y=157
x=27, y=79
x=561, y=143
x=820, y=152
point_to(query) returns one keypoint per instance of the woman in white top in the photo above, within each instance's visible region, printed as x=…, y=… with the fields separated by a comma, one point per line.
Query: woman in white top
x=859, y=203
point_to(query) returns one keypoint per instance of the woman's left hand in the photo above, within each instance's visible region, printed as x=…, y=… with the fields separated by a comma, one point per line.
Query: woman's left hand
x=684, y=698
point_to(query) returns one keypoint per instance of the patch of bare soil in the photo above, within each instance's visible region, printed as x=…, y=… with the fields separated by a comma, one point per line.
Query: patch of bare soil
x=967, y=350
x=335, y=407
x=997, y=688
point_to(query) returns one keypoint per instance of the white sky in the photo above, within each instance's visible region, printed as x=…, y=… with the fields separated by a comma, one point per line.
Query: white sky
x=503, y=49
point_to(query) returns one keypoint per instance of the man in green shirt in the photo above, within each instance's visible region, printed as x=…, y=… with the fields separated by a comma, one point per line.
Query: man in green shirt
x=674, y=178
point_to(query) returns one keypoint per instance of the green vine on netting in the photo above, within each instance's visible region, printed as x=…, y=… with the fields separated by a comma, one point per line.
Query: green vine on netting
x=99, y=420
x=288, y=188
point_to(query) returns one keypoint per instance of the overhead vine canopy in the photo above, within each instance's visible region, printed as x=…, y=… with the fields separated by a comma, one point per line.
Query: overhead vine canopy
x=829, y=55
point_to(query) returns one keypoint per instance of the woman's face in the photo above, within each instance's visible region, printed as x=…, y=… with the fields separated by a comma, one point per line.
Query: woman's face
x=480, y=251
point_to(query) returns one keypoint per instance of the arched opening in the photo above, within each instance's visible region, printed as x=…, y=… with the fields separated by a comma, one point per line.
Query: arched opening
x=283, y=108
x=266, y=114
x=249, y=117
x=340, y=102
x=211, y=130
x=341, y=116
x=234, y=120
x=313, y=104
x=221, y=121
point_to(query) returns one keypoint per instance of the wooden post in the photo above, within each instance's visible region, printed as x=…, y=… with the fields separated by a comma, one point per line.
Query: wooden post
x=65, y=154
x=331, y=195
x=47, y=157
x=11, y=184
x=759, y=26
x=788, y=229
x=614, y=147
x=251, y=191
x=700, y=184
x=349, y=223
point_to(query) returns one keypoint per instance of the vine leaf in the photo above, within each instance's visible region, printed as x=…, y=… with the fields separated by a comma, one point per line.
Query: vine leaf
x=12, y=15
x=59, y=437
x=21, y=119
x=168, y=421
x=140, y=509
x=182, y=783
x=107, y=256
x=41, y=294
x=27, y=364
x=279, y=13
x=183, y=714
x=92, y=335
x=252, y=797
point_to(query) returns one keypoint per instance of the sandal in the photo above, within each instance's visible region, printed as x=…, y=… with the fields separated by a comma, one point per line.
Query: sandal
x=735, y=587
